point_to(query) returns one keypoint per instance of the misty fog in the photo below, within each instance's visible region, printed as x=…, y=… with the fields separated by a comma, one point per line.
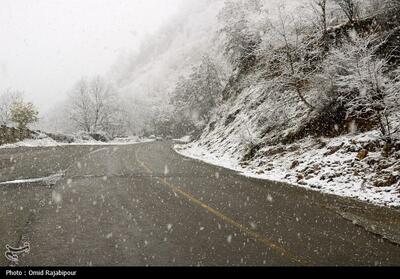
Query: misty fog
x=48, y=45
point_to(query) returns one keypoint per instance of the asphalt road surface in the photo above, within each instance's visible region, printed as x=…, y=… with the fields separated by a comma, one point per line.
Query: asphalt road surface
x=145, y=205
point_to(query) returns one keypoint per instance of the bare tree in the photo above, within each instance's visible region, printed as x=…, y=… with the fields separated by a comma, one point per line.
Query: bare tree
x=351, y=8
x=197, y=95
x=240, y=40
x=81, y=106
x=290, y=33
x=7, y=98
x=94, y=106
x=101, y=95
x=320, y=9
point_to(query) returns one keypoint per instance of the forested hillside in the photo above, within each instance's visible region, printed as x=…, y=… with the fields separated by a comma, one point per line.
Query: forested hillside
x=313, y=98
x=291, y=55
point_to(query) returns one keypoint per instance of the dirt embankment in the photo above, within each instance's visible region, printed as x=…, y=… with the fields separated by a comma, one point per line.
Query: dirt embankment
x=9, y=135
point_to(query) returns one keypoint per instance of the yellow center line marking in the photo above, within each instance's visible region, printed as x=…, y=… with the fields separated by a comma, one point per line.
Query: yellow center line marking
x=270, y=244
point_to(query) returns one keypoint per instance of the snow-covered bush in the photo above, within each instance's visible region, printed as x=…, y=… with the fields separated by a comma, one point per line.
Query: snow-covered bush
x=355, y=77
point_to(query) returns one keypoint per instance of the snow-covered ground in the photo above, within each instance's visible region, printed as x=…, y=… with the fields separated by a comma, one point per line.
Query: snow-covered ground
x=50, y=180
x=328, y=165
x=48, y=142
x=32, y=143
x=185, y=139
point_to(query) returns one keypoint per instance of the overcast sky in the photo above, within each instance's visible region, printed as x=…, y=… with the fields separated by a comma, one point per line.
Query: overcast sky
x=46, y=45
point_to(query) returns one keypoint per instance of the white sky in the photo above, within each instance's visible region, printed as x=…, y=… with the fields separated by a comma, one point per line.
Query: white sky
x=46, y=45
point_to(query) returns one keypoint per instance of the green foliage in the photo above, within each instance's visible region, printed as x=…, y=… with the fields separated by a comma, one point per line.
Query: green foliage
x=23, y=114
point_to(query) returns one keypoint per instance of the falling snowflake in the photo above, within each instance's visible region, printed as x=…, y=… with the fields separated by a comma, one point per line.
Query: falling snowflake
x=56, y=197
x=253, y=225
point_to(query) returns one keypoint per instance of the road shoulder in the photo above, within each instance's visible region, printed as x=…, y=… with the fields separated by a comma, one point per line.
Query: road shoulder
x=378, y=220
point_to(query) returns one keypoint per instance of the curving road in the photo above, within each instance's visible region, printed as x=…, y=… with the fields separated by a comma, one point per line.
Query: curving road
x=139, y=205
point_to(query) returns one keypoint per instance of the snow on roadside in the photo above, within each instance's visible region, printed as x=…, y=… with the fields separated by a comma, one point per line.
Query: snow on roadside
x=325, y=165
x=48, y=142
x=49, y=180
x=185, y=139
x=43, y=142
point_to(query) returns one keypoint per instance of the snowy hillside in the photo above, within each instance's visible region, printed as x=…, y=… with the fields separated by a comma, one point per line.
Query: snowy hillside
x=318, y=112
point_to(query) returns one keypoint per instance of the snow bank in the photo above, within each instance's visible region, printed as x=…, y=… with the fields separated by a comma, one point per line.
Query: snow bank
x=185, y=139
x=44, y=141
x=49, y=180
